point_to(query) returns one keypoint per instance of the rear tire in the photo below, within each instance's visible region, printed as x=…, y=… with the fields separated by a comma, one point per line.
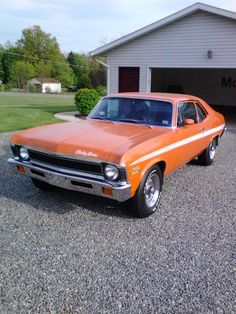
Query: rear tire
x=147, y=197
x=42, y=185
x=207, y=156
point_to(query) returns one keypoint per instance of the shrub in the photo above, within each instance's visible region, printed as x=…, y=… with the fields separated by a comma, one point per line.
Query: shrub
x=102, y=90
x=8, y=87
x=86, y=99
x=34, y=88
x=2, y=88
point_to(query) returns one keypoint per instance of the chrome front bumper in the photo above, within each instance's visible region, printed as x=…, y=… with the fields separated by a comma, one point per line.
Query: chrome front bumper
x=74, y=181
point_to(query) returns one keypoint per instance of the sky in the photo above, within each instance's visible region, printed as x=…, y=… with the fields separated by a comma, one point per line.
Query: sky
x=84, y=25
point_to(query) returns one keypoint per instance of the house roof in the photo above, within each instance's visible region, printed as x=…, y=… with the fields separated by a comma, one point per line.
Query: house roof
x=163, y=22
x=46, y=80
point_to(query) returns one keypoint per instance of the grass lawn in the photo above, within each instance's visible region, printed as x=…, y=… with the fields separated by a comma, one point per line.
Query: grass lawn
x=22, y=112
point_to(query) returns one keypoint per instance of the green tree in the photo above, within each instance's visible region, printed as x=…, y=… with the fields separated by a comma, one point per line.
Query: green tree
x=80, y=67
x=43, y=51
x=1, y=68
x=88, y=72
x=21, y=72
x=35, y=43
x=42, y=69
x=9, y=56
x=97, y=72
x=63, y=73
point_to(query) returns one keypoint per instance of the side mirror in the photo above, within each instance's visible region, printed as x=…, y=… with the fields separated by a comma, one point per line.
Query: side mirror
x=189, y=122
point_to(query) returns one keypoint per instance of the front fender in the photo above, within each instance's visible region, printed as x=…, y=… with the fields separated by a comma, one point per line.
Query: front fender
x=137, y=171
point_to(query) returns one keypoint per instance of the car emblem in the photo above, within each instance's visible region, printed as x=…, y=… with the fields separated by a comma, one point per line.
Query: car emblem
x=85, y=154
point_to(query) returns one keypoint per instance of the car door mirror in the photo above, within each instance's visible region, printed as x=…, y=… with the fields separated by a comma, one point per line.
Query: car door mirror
x=189, y=122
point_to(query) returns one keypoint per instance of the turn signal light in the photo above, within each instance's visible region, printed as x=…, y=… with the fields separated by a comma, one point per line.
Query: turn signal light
x=21, y=169
x=107, y=191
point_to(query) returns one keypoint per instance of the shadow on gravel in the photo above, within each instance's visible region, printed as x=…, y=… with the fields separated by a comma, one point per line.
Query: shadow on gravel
x=60, y=201
x=72, y=200
x=20, y=189
x=194, y=162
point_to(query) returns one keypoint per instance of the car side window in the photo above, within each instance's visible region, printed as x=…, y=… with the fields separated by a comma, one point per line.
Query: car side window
x=186, y=110
x=201, y=113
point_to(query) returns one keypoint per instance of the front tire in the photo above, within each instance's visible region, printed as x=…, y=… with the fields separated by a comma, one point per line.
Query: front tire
x=42, y=185
x=147, y=197
x=207, y=156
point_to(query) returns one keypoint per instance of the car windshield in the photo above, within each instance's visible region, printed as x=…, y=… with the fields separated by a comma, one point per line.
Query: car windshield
x=134, y=110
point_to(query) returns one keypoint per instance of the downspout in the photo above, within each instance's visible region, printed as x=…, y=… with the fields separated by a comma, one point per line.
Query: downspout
x=108, y=73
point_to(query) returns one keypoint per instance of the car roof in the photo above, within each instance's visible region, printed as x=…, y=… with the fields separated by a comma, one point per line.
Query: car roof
x=161, y=96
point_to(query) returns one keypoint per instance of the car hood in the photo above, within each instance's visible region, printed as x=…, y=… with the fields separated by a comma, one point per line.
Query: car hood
x=87, y=139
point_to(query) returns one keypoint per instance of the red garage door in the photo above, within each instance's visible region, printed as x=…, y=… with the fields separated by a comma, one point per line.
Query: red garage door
x=128, y=79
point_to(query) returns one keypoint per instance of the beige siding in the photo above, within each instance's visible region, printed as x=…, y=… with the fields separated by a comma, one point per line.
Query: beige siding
x=181, y=44
x=114, y=81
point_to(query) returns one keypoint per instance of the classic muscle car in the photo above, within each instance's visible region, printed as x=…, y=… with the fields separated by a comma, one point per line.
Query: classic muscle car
x=124, y=148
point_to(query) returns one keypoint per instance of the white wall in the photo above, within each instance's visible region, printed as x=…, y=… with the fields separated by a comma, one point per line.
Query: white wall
x=54, y=87
x=181, y=44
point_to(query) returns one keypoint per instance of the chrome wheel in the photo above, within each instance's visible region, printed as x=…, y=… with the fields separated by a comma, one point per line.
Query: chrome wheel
x=146, y=199
x=212, y=150
x=206, y=158
x=152, y=189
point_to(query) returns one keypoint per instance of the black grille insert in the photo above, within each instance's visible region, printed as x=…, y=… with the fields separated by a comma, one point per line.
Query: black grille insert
x=38, y=173
x=65, y=162
x=84, y=185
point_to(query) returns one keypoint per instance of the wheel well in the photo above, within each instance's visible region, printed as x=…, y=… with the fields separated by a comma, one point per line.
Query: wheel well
x=162, y=166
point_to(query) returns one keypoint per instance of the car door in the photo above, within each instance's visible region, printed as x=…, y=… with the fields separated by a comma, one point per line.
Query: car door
x=190, y=140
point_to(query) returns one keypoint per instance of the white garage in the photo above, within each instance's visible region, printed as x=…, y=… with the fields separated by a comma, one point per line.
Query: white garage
x=45, y=85
x=192, y=51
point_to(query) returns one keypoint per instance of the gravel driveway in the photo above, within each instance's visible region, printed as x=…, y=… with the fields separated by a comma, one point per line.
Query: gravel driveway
x=65, y=252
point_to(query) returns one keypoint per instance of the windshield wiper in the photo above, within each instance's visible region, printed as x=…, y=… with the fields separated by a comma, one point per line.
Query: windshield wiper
x=135, y=121
x=101, y=118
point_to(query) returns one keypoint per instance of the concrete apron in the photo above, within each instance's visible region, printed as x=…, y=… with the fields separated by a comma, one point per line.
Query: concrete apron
x=67, y=116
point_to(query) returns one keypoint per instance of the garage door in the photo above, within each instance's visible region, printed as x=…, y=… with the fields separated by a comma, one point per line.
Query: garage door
x=128, y=79
x=216, y=86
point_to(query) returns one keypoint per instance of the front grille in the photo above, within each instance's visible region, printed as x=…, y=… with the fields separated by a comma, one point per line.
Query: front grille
x=64, y=162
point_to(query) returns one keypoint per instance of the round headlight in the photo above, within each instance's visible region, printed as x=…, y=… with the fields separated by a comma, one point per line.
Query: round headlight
x=111, y=172
x=24, y=153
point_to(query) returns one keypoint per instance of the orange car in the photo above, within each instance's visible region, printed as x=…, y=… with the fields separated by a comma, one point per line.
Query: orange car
x=124, y=148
